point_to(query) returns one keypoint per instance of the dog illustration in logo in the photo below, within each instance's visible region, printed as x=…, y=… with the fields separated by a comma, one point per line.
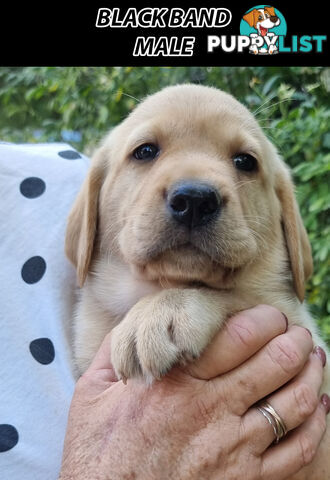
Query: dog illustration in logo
x=262, y=19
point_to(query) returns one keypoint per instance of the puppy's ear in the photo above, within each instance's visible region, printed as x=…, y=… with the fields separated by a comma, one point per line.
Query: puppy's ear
x=82, y=221
x=249, y=17
x=297, y=242
x=271, y=11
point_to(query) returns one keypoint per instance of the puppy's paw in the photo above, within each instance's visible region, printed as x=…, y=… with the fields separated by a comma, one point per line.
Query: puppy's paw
x=157, y=334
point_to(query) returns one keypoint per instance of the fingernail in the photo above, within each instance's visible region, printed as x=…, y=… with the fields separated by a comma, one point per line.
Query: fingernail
x=321, y=354
x=286, y=320
x=325, y=400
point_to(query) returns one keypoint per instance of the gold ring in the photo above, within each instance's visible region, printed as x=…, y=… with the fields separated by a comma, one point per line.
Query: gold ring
x=274, y=420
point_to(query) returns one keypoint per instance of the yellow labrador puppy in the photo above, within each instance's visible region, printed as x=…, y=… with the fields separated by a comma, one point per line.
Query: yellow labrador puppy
x=187, y=216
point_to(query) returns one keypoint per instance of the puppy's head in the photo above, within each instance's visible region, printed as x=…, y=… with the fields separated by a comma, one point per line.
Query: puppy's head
x=187, y=189
x=264, y=18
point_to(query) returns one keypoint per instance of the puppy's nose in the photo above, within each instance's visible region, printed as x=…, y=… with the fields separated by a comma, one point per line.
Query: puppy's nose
x=193, y=203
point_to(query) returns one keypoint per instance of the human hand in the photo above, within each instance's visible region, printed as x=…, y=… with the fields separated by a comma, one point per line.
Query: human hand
x=200, y=422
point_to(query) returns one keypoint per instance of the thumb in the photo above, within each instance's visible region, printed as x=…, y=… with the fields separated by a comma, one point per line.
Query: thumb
x=101, y=373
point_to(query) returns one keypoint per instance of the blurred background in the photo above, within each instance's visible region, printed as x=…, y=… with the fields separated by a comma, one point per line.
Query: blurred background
x=78, y=105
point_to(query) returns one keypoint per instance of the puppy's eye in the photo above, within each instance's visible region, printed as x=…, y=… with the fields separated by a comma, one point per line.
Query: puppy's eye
x=246, y=162
x=147, y=151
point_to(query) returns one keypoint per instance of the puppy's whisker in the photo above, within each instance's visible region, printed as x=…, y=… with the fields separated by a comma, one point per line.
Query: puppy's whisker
x=110, y=248
x=131, y=96
x=114, y=224
x=257, y=217
x=273, y=105
x=264, y=103
x=242, y=183
x=262, y=222
x=260, y=236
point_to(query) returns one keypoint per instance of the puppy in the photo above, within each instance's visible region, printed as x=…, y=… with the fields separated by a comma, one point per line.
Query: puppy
x=187, y=216
x=262, y=19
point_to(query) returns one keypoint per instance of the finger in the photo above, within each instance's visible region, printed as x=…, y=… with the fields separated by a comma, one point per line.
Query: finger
x=294, y=403
x=270, y=368
x=297, y=450
x=101, y=364
x=241, y=337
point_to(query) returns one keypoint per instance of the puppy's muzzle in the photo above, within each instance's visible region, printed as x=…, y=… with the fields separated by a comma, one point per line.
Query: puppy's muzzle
x=193, y=203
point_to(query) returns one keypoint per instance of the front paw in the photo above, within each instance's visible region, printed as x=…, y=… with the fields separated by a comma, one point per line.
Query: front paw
x=154, y=336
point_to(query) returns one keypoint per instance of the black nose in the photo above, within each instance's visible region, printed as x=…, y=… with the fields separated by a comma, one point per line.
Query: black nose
x=193, y=203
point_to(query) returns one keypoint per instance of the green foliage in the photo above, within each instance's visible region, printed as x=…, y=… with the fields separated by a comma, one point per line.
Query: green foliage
x=80, y=104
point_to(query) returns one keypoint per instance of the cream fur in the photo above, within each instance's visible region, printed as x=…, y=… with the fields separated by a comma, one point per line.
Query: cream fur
x=165, y=299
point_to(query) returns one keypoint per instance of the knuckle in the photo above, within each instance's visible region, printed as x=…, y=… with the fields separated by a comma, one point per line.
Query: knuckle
x=307, y=449
x=273, y=315
x=249, y=386
x=284, y=352
x=306, y=400
x=242, y=330
x=270, y=311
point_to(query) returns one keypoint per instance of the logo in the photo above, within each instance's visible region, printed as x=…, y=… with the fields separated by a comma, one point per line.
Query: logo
x=263, y=31
x=264, y=25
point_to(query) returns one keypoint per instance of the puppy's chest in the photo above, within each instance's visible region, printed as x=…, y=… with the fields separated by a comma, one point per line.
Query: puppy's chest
x=119, y=290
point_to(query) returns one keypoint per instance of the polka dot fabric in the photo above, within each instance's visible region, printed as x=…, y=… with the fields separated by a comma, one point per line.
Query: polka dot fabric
x=38, y=185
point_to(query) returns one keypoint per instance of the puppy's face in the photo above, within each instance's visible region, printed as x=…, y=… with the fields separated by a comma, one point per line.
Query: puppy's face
x=188, y=195
x=187, y=189
x=262, y=19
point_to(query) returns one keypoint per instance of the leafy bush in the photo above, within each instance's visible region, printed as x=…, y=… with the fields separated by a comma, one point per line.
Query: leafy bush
x=291, y=103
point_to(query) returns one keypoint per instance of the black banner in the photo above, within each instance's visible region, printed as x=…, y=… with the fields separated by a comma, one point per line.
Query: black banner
x=168, y=34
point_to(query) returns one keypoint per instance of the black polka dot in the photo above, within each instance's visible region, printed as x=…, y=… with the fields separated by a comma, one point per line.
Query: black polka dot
x=69, y=154
x=33, y=269
x=32, y=187
x=42, y=350
x=8, y=437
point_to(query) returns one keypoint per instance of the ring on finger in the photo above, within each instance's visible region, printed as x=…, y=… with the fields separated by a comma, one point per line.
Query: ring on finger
x=273, y=419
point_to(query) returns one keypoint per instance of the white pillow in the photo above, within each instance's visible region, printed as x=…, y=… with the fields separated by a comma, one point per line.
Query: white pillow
x=38, y=184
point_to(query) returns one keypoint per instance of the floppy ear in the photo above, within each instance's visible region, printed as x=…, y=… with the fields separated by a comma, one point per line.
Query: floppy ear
x=82, y=221
x=297, y=242
x=249, y=17
x=271, y=11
